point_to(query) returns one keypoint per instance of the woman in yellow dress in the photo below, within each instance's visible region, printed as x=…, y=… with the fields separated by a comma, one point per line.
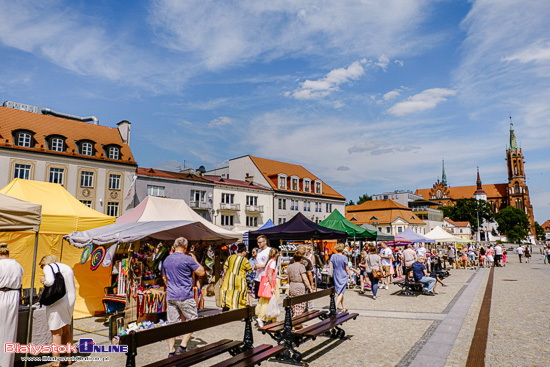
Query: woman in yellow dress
x=234, y=288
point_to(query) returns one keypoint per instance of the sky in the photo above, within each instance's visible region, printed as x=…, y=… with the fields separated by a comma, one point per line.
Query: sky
x=368, y=95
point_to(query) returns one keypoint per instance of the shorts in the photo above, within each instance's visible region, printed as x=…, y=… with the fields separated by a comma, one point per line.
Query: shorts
x=187, y=308
x=471, y=257
x=387, y=270
x=363, y=273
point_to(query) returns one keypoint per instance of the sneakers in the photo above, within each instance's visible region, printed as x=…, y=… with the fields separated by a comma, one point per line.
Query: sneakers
x=373, y=297
x=180, y=350
x=260, y=323
x=428, y=293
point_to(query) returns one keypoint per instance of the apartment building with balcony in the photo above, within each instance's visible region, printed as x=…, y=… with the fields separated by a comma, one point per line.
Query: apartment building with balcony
x=240, y=205
x=93, y=162
x=195, y=190
x=294, y=188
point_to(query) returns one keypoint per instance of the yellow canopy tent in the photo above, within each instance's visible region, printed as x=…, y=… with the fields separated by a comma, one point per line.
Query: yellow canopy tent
x=62, y=214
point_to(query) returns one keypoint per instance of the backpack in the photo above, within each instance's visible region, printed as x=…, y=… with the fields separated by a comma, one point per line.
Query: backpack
x=56, y=291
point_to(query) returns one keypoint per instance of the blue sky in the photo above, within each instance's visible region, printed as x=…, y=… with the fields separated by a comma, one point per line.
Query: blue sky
x=368, y=95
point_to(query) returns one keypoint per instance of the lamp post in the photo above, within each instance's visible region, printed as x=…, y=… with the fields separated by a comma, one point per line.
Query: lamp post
x=478, y=238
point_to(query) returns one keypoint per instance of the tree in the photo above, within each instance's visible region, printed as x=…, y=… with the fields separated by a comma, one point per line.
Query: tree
x=513, y=223
x=541, y=236
x=350, y=202
x=364, y=198
x=468, y=210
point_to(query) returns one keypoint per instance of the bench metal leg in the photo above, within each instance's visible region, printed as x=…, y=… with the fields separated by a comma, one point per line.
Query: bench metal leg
x=288, y=338
x=248, y=339
x=332, y=304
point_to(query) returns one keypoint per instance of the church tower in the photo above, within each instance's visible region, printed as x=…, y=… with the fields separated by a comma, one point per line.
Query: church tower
x=518, y=193
x=480, y=194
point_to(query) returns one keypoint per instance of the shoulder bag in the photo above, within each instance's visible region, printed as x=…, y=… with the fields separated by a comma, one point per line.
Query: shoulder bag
x=265, y=290
x=376, y=273
x=56, y=291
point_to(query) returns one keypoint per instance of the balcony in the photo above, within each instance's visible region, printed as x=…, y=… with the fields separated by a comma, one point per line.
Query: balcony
x=197, y=204
x=230, y=207
x=254, y=208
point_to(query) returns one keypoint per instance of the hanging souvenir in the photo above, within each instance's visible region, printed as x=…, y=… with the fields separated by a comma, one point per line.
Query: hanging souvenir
x=86, y=253
x=97, y=257
x=109, y=255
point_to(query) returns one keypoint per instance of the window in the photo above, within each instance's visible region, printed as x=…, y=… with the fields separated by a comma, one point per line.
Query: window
x=227, y=220
x=86, y=179
x=86, y=149
x=251, y=221
x=24, y=140
x=88, y=203
x=388, y=229
x=307, y=185
x=294, y=184
x=282, y=182
x=22, y=171
x=318, y=187
x=329, y=208
x=153, y=190
x=198, y=195
x=282, y=204
x=317, y=206
x=57, y=144
x=114, y=182
x=228, y=199
x=399, y=229
x=114, y=153
x=112, y=209
x=282, y=220
x=252, y=200
x=56, y=175
x=309, y=206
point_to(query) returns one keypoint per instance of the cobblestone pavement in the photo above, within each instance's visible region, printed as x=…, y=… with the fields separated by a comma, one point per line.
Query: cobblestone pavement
x=395, y=330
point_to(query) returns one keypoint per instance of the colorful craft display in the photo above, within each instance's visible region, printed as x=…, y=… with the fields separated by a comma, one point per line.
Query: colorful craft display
x=97, y=257
x=86, y=253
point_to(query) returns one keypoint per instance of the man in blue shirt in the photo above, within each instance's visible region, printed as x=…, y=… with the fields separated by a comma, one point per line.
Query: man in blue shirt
x=421, y=276
x=177, y=272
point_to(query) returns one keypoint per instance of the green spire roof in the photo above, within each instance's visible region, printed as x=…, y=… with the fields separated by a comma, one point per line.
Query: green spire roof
x=513, y=142
x=443, y=175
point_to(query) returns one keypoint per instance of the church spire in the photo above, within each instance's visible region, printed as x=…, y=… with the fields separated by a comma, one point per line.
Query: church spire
x=513, y=143
x=478, y=180
x=443, y=175
x=480, y=194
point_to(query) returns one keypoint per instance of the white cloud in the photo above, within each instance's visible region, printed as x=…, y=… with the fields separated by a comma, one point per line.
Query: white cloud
x=220, y=121
x=383, y=62
x=343, y=168
x=399, y=62
x=423, y=101
x=392, y=94
x=315, y=89
x=535, y=52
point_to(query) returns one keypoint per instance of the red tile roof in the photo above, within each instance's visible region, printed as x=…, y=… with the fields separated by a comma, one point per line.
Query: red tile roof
x=73, y=131
x=467, y=192
x=380, y=212
x=546, y=226
x=458, y=223
x=231, y=182
x=271, y=169
x=173, y=175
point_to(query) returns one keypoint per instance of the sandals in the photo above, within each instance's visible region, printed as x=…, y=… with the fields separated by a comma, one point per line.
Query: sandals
x=344, y=310
x=361, y=292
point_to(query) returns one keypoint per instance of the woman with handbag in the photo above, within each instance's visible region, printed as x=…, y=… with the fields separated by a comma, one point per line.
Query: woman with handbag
x=59, y=313
x=268, y=288
x=234, y=289
x=298, y=282
x=374, y=269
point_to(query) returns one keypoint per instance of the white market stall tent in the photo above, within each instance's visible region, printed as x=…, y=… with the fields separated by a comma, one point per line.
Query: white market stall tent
x=440, y=235
x=154, y=208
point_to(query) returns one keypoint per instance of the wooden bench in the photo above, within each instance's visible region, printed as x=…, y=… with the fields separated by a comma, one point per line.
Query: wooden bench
x=408, y=286
x=244, y=353
x=328, y=322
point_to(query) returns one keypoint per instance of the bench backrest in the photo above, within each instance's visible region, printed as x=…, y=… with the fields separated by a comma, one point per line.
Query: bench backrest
x=291, y=301
x=146, y=337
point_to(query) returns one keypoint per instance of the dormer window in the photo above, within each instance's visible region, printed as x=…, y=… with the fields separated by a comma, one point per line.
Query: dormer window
x=24, y=140
x=282, y=181
x=307, y=185
x=114, y=153
x=318, y=187
x=294, y=183
x=374, y=218
x=86, y=148
x=57, y=144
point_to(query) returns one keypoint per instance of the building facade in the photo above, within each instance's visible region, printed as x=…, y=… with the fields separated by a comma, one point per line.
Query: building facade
x=195, y=190
x=294, y=188
x=499, y=196
x=93, y=162
x=387, y=216
x=461, y=229
x=403, y=197
x=240, y=205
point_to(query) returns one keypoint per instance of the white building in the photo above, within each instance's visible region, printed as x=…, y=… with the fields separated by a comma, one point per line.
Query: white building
x=93, y=162
x=459, y=229
x=294, y=188
x=240, y=205
x=403, y=197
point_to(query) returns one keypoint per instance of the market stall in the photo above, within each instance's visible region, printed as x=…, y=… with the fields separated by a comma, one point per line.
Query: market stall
x=62, y=213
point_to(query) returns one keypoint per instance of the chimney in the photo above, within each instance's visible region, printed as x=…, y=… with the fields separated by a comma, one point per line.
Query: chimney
x=249, y=179
x=124, y=130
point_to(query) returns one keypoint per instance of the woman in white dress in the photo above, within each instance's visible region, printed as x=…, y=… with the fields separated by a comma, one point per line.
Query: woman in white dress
x=10, y=289
x=60, y=313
